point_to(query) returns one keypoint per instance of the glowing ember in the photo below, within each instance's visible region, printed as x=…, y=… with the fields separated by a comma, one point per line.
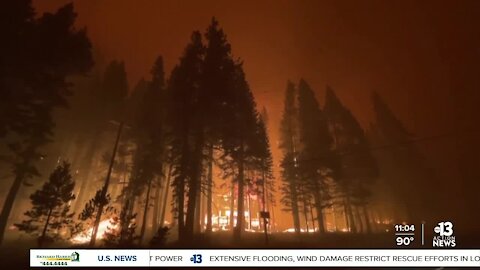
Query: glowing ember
x=103, y=227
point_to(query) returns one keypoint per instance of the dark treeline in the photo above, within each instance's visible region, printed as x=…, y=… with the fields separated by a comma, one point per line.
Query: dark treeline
x=171, y=133
x=335, y=173
x=37, y=56
x=122, y=158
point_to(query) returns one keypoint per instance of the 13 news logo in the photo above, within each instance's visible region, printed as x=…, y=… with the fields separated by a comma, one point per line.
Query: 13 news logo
x=444, y=237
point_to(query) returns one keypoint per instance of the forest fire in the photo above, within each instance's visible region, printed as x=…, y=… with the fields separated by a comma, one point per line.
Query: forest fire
x=352, y=125
x=105, y=226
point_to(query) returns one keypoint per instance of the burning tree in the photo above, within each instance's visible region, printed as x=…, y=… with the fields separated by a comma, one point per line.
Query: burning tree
x=82, y=230
x=125, y=235
x=51, y=210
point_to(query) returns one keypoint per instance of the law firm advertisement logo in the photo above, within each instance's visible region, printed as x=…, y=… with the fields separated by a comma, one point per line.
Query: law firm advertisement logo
x=58, y=260
x=444, y=237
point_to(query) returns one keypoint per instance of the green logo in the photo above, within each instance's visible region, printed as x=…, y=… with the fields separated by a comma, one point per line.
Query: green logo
x=75, y=257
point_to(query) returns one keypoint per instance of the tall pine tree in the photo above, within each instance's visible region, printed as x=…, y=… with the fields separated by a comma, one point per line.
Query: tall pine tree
x=402, y=162
x=151, y=143
x=183, y=92
x=357, y=168
x=239, y=135
x=315, y=157
x=289, y=146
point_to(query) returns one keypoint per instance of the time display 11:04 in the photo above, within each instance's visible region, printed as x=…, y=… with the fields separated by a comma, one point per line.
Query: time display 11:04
x=404, y=228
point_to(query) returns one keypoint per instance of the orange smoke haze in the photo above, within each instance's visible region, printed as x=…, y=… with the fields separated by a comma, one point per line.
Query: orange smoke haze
x=414, y=53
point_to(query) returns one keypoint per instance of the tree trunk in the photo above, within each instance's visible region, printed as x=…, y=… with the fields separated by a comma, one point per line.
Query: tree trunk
x=203, y=211
x=181, y=210
x=349, y=213
x=293, y=185
x=165, y=198
x=156, y=206
x=249, y=212
x=194, y=184
x=232, y=206
x=334, y=218
x=318, y=205
x=180, y=187
x=346, y=217
x=367, y=219
x=145, y=213
x=264, y=206
x=190, y=214
x=295, y=214
x=272, y=214
x=174, y=218
x=8, y=204
x=44, y=232
x=209, y=190
x=198, y=213
x=311, y=214
x=305, y=214
x=358, y=217
x=241, y=189
x=105, y=187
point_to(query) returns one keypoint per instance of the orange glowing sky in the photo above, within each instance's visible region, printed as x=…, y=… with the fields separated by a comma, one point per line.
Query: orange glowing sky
x=412, y=52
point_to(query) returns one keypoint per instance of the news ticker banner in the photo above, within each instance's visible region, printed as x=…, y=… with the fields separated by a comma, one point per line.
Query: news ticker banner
x=254, y=257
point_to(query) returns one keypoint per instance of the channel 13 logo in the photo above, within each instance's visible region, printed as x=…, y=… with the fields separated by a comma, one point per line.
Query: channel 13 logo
x=444, y=237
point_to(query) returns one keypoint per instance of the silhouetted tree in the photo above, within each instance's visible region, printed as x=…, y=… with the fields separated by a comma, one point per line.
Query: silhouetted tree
x=357, y=168
x=264, y=165
x=209, y=187
x=37, y=56
x=239, y=137
x=210, y=110
x=183, y=91
x=150, y=138
x=38, y=53
x=51, y=210
x=210, y=91
x=265, y=160
x=86, y=219
x=315, y=159
x=402, y=162
x=270, y=199
x=289, y=145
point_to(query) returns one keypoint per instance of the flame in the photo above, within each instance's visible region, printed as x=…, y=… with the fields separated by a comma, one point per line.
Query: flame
x=104, y=226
